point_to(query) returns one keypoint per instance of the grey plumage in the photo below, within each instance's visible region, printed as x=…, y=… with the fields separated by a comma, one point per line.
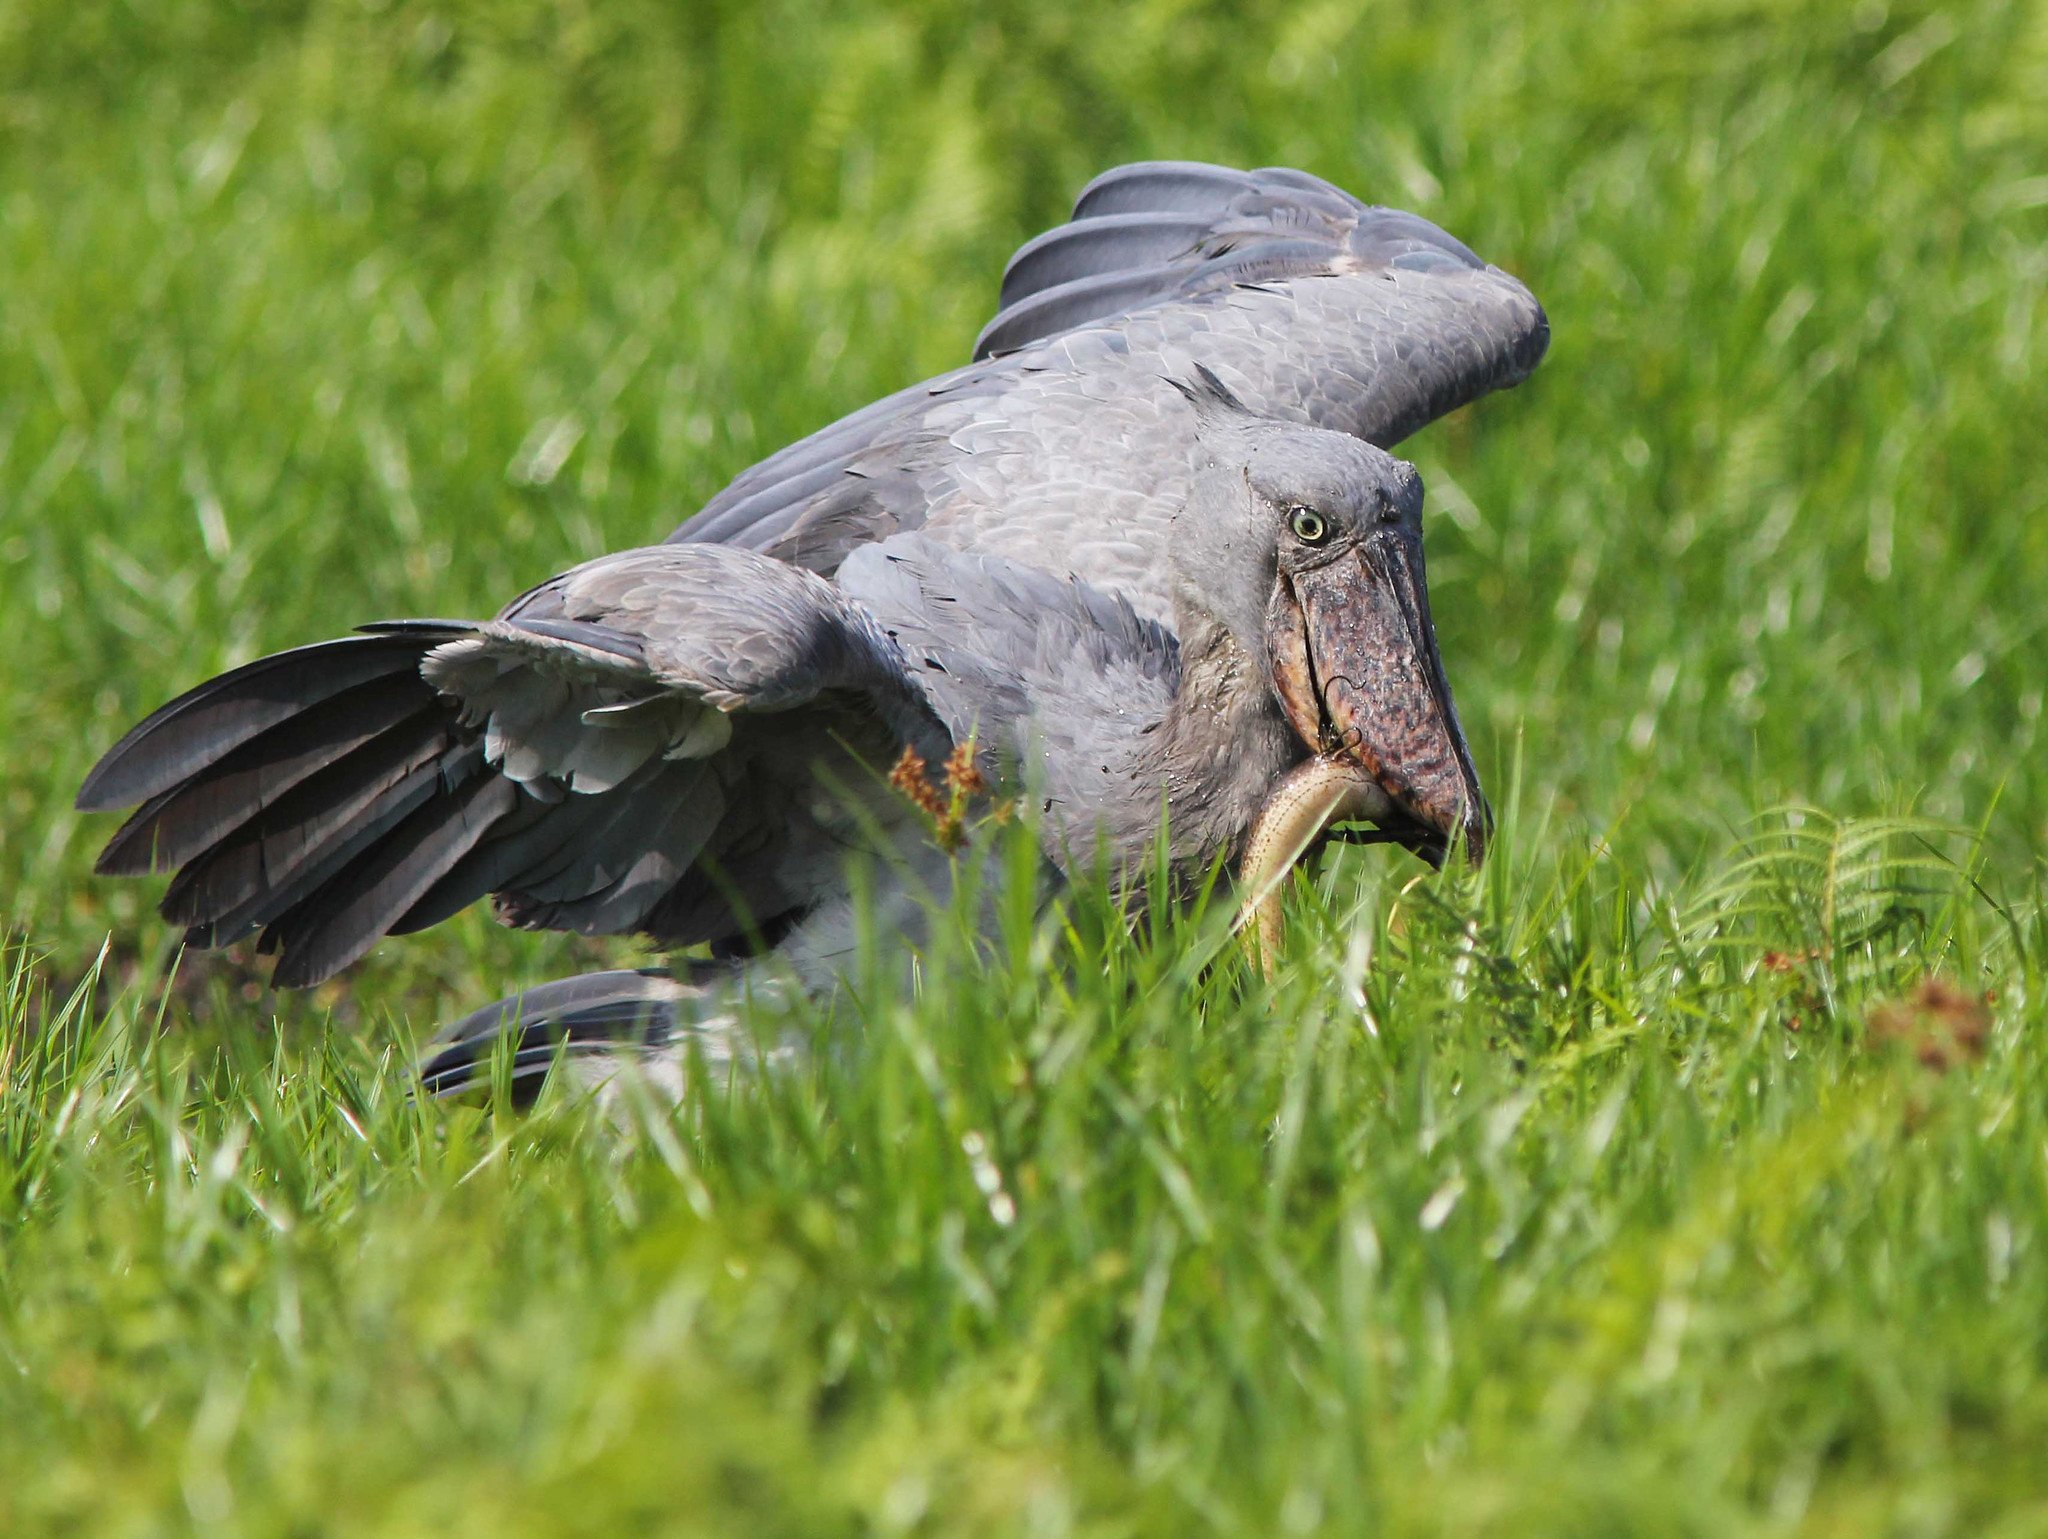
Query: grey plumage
x=1145, y=235
x=1064, y=552
x=1061, y=682
x=1073, y=450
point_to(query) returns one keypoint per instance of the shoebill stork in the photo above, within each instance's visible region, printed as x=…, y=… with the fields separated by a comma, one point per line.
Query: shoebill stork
x=1146, y=551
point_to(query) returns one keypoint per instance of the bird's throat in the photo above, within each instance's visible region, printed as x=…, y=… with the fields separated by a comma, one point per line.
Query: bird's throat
x=1223, y=744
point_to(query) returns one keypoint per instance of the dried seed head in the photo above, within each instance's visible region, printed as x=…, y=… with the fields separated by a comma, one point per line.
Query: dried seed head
x=909, y=778
x=962, y=774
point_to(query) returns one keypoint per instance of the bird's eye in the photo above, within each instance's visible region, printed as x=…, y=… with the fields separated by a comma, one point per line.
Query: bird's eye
x=1309, y=526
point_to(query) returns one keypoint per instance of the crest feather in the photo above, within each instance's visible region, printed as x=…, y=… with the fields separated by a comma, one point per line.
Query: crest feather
x=1210, y=397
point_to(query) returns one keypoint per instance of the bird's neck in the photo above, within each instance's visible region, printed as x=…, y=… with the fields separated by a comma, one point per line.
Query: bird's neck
x=1223, y=744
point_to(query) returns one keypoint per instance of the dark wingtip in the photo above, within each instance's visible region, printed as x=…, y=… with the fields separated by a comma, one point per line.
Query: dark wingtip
x=97, y=793
x=202, y=726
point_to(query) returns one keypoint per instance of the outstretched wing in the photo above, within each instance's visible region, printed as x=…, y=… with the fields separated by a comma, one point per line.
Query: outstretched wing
x=634, y=746
x=1070, y=451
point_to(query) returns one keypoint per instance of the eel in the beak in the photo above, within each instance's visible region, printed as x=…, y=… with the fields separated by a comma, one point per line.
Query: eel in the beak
x=1357, y=671
x=1326, y=789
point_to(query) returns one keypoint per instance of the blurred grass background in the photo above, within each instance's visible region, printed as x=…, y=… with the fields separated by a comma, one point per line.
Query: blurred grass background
x=329, y=312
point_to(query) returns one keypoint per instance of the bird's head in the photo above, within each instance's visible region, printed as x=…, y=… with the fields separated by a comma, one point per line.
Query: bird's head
x=1305, y=546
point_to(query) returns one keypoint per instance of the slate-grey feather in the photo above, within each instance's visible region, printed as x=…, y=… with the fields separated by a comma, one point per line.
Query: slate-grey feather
x=1072, y=450
x=1146, y=551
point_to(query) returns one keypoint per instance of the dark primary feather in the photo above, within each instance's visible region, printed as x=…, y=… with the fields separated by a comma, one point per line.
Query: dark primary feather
x=344, y=917
x=641, y=853
x=314, y=828
x=176, y=826
x=205, y=724
x=534, y=841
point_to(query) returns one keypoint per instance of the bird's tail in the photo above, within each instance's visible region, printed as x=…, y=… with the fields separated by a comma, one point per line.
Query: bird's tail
x=597, y=1024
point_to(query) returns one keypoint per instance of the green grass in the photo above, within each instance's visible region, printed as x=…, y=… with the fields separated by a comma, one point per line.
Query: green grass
x=1603, y=1191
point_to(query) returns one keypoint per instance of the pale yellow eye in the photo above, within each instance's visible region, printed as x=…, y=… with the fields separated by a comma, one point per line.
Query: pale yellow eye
x=1308, y=525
